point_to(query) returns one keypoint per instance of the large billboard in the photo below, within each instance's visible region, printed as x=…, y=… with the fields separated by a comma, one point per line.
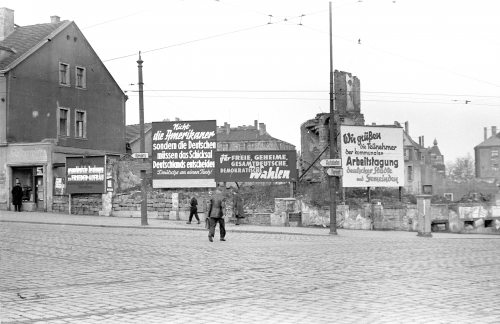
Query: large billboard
x=372, y=156
x=85, y=174
x=184, y=154
x=256, y=166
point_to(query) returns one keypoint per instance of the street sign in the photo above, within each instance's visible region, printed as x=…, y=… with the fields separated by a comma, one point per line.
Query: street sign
x=140, y=155
x=334, y=172
x=331, y=163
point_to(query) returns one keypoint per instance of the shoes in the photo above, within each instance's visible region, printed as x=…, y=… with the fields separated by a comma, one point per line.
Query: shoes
x=210, y=239
x=236, y=224
x=198, y=222
x=223, y=239
x=189, y=223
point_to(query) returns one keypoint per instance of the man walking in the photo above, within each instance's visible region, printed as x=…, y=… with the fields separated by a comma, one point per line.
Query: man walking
x=216, y=215
x=194, y=210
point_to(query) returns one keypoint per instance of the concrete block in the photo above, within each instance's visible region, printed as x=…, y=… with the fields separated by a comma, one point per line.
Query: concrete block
x=172, y=215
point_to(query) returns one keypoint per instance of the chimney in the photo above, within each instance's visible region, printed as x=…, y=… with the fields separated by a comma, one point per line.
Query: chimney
x=177, y=119
x=262, y=128
x=485, y=133
x=423, y=141
x=407, y=128
x=6, y=22
x=256, y=124
x=55, y=19
x=374, y=124
x=493, y=130
x=228, y=127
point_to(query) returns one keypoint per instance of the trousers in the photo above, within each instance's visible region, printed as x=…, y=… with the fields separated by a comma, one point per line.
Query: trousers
x=213, y=223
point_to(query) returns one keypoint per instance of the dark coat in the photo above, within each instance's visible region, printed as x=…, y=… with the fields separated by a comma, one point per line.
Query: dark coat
x=194, y=204
x=17, y=195
x=217, y=206
x=238, y=206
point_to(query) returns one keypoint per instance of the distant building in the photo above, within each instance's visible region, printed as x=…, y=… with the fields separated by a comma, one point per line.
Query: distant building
x=437, y=159
x=487, y=155
x=57, y=99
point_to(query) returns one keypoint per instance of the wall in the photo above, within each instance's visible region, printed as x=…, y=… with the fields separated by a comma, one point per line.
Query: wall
x=485, y=162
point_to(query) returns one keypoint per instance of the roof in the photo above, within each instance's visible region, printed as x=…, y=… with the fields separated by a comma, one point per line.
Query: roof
x=250, y=134
x=23, y=39
x=492, y=141
x=133, y=132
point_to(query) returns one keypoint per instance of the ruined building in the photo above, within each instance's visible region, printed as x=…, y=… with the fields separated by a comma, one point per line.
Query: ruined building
x=315, y=132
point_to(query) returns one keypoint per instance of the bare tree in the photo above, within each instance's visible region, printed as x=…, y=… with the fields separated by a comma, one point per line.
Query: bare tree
x=462, y=169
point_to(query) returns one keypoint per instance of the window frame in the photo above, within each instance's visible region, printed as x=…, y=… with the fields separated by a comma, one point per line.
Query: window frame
x=68, y=121
x=494, y=153
x=84, y=124
x=84, y=77
x=66, y=82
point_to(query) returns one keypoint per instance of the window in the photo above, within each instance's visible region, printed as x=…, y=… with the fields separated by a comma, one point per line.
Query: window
x=494, y=153
x=64, y=74
x=81, y=78
x=410, y=172
x=63, y=122
x=80, y=124
x=495, y=167
x=448, y=196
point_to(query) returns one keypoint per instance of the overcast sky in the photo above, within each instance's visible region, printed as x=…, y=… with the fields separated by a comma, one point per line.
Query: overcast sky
x=419, y=60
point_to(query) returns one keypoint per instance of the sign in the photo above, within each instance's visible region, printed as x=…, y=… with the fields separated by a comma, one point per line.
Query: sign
x=331, y=163
x=256, y=166
x=334, y=172
x=140, y=155
x=183, y=154
x=372, y=156
x=59, y=185
x=85, y=174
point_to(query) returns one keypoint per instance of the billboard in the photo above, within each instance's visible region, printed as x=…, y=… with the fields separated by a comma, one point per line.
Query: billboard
x=256, y=166
x=85, y=174
x=183, y=154
x=372, y=156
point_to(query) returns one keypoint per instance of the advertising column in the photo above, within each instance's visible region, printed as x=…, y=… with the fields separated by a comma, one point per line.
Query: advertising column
x=184, y=154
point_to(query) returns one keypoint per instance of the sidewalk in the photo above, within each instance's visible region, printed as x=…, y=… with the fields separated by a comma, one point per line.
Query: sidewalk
x=154, y=223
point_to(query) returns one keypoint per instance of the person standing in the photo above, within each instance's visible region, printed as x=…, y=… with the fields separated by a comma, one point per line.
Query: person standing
x=17, y=197
x=194, y=210
x=216, y=215
x=238, y=207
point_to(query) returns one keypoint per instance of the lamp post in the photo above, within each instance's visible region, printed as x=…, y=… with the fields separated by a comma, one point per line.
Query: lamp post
x=144, y=201
x=334, y=118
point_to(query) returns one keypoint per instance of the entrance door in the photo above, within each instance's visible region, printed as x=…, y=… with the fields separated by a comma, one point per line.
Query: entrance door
x=39, y=192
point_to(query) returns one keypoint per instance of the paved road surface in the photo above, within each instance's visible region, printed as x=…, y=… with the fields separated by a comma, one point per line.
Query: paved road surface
x=111, y=274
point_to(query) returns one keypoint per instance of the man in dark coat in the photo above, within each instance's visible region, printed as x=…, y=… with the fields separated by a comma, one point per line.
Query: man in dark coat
x=17, y=197
x=194, y=210
x=216, y=215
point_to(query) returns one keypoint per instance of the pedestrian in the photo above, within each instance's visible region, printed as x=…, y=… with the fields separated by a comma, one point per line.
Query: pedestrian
x=216, y=215
x=238, y=207
x=194, y=210
x=17, y=197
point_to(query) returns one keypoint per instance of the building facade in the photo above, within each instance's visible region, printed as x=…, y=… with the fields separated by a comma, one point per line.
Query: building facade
x=487, y=156
x=57, y=99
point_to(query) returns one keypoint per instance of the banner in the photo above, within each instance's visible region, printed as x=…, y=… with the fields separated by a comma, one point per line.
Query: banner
x=85, y=174
x=372, y=156
x=256, y=166
x=184, y=154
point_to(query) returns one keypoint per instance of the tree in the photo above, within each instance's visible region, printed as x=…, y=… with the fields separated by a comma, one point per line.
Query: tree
x=462, y=169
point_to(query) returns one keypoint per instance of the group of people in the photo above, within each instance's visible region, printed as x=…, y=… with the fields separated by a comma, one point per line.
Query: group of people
x=216, y=212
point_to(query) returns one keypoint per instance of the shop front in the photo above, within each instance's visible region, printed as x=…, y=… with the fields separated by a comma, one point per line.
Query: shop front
x=30, y=166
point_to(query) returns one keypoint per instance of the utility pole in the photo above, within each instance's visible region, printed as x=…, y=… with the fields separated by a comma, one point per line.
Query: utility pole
x=144, y=201
x=333, y=180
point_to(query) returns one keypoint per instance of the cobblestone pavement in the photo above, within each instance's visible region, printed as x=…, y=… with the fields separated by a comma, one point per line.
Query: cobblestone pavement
x=111, y=274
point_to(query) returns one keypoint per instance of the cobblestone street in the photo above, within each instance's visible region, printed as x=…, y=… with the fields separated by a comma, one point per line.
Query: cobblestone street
x=84, y=274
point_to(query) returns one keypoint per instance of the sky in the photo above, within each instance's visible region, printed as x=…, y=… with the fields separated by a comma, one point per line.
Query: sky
x=432, y=63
